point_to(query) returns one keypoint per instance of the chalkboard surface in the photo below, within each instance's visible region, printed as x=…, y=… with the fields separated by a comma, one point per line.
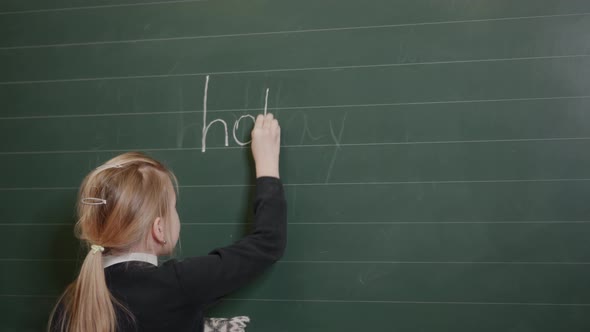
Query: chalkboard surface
x=436, y=153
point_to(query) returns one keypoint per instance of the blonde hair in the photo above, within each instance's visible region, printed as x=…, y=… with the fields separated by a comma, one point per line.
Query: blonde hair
x=133, y=190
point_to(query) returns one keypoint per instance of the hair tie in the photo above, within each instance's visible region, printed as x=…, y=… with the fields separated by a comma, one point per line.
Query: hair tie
x=96, y=248
x=93, y=201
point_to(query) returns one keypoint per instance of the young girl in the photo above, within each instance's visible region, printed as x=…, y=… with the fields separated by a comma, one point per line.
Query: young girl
x=127, y=216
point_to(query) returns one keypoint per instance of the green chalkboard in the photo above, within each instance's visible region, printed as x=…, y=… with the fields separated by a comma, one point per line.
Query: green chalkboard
x=436, y=153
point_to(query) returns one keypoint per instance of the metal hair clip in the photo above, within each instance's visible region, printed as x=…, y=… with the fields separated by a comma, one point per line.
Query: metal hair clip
x=93, y=201
x=107, y=166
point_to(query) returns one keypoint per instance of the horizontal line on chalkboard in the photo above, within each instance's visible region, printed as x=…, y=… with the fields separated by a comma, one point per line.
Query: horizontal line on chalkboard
x=432, y=262
x=342, y=262
x=294, y=146
x=41, y=296
x=266, y=33
x=137, y=4
x=540, y=304
x=258, y=109
x=38, y=260
x=333, y=184
x=237, y=72
x=411, y=302
x=336, y=223
x=384, y=222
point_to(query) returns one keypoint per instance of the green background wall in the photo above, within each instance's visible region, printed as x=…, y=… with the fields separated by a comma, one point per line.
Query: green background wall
x=435, y=152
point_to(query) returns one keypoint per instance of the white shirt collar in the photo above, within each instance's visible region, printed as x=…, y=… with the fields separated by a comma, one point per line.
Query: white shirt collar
x=132, y=256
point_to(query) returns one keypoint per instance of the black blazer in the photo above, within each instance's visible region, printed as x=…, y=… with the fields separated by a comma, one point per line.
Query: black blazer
x=172, y=296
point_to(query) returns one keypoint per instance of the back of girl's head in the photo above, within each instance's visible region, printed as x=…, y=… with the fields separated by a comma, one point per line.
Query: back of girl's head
x=117, y=204
x=119, y=201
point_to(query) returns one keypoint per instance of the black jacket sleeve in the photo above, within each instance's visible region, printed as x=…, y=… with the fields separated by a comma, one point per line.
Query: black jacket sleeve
x=224, y=270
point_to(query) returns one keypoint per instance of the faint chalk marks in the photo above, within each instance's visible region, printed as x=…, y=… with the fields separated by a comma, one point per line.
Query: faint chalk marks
x=371, y=274
x=337, y=139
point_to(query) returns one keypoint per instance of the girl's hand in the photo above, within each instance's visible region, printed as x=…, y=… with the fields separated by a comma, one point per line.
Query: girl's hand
x=266, y=145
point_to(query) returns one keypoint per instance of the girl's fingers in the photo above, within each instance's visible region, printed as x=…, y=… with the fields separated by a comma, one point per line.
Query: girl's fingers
x=268, y=120
x=259, y=121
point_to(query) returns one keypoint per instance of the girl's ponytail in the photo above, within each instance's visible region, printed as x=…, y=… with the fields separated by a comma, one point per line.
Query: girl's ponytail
x=87, y=304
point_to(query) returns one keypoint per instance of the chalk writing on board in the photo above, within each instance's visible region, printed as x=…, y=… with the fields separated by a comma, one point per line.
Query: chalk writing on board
x=207, y=126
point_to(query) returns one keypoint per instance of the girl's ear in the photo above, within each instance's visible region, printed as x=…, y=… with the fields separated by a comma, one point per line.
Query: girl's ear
x=158, y=231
